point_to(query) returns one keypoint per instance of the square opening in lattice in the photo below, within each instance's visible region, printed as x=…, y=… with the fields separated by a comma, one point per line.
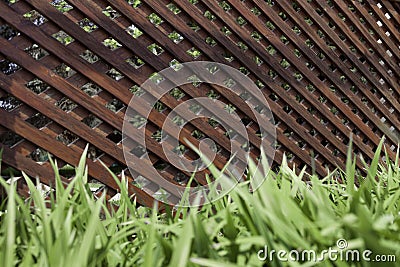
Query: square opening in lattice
x=95, y=186
x=213, y=122
x=287, y=109
x=271, y=50
x=258, y=60
x=67, y=171
x=242, y=46
x=245, y=95
x=66, y=104
x=195, y=108
x=115, y=136
x=155, y=19
x=171, y=6
x=209, y=15
x=297, y=53
x=135, y=3
x=193, y=25
x=230, y=108
x=35, y=17
x=36, y=51
x=37, y=86
x=179, y=121
x=177, y=93
x=284, y=63
x=61, y=5
x=8, y=67
x=64, y=71
x=225, y=6
x=241, y=21
x=92, y=121
x=135, y=62
x=155, y=49
x=7, y=32
x=115, y=105
x=226, y=31
x=67, y=137
x=198, y=134
x=156, y=78
x=228, y=56
x=259, y=84
x=87, y=25
x=134, y=31
x=140, y=182
x=63, y=37
x=111, y=43
x=255, y=11
x=89, y=56
x=136, y=90
x=10, y=139
x=244, y=70
x=287, y=87
x=194, y=80
x=272, y=74
x=310, y=87
x=159, y=106
x=38, y=120
x=175, y=37
x=193, y=52
x=114, y=74
x=210, y=41
x=9, y=103
x=91, y=89
x=175, y=64
x=212, y=68
x=10, y=2
x=229, y=82
x=138, y=151
x=116, y=199
x=311, y=66
x=39, y=155
x=110, y=12
x=283, y=15
x=270, y=25
x=284, y=39
x=298, y=76
x=161, y=165
x=180, y=150
x=159, y=136
x=94, y=153
x=138, y=121
x=256, y=36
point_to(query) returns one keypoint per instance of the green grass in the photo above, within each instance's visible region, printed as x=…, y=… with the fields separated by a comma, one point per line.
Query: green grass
x=285, y=213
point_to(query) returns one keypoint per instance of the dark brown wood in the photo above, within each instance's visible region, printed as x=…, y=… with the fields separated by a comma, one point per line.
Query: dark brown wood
x=323, y=72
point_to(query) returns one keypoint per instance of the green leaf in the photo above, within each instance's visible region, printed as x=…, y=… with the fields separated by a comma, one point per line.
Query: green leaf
x=211, y=263
x=182, y=249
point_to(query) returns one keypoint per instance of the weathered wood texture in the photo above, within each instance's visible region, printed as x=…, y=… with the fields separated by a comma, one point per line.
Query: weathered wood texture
x=68, y=69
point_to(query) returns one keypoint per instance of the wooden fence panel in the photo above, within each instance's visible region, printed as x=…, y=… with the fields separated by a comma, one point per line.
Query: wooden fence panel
x=68, y=70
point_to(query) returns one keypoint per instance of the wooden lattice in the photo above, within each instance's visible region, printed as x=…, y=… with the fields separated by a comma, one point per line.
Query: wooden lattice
x=68, y=69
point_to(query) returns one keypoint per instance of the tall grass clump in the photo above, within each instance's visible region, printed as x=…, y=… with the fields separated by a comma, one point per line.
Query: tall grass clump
x=289, y=212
